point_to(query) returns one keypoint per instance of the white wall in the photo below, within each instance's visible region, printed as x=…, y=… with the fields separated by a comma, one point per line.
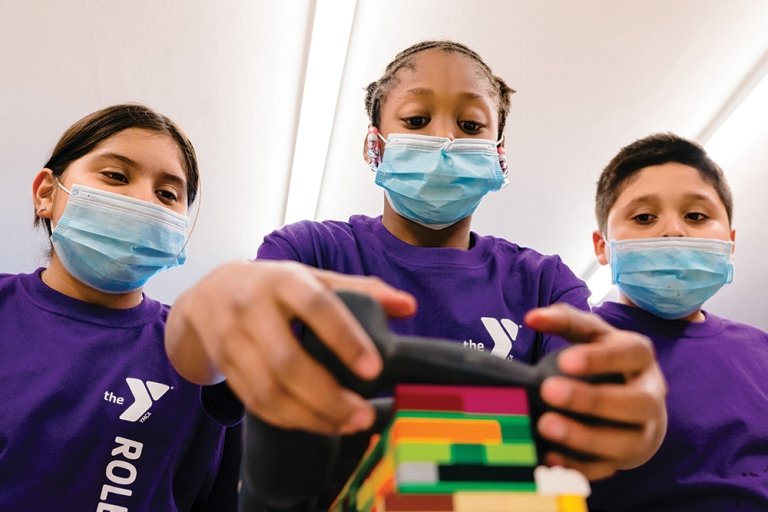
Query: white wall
x=228, y=72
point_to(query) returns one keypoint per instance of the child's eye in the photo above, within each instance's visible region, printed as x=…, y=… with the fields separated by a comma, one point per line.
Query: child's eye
x=416, y=122
x=643, y=218
x=471, y=127
x=115, y=176
x=167, y=196
x=696, y=216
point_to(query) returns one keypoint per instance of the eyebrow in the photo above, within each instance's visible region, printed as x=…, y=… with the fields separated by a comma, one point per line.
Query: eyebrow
x=116, y=156
x=132, y=163
x=422, y=91
x=654, y=197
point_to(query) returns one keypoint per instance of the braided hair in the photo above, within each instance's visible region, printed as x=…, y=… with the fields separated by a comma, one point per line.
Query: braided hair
x=378, y=90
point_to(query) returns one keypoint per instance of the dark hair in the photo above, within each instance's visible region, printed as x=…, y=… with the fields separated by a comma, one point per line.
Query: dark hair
x=82, y=137
x=378, y=90
x=656, y=149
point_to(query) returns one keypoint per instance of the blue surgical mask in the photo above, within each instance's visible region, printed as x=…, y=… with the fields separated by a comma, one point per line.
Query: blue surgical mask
x=670, y=277
x=436, y=181
x=115, y=243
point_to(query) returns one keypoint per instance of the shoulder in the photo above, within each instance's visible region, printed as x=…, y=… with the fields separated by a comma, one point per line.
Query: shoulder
x=521, y=255
x=11, y=286
x=611, y=312
x=8, y=280
x=313, y=228
x=529, y=271
x=304, y=230
x=22, y=288
x=732, y=326
x=302, y=239
x=545, y=268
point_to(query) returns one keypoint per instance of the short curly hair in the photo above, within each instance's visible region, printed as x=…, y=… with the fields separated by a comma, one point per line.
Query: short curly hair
x=656, y=149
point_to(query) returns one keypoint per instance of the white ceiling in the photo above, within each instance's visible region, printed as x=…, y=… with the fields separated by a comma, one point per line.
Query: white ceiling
x=591, y=77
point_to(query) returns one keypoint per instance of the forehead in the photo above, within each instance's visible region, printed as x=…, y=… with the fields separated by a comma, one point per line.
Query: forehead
x=148, y=148
x=669, y=181
x=445, y=72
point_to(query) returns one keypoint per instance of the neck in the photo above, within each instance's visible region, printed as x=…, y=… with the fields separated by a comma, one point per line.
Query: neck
x=455, y=235
x=696, y=316
x=57, y=277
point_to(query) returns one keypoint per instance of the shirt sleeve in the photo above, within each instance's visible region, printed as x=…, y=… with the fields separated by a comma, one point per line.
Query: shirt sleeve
x=292, y=242
x=569, y=289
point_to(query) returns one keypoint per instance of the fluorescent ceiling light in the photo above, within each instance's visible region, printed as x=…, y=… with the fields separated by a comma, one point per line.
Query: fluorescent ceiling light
x=331, y=28
x=748, y=118
x=740, y=108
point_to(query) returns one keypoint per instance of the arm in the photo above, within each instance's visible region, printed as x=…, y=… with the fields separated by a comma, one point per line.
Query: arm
x=236, y=324
x=638, y=406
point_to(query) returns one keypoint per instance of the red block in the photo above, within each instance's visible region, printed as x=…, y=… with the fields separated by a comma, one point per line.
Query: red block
x=470, y=399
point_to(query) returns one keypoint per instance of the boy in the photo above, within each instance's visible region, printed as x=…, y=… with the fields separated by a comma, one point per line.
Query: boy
x=664, y=212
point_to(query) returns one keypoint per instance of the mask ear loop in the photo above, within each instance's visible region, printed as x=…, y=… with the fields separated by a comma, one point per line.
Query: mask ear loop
x=198, y=204
x=502, y=160
x=373, y=148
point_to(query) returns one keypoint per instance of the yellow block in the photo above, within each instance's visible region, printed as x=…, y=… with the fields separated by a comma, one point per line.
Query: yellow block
x=571, y=504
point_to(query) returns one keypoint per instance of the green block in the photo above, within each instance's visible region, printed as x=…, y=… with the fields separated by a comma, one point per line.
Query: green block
x=511, y=454
x=516, y=429
x=467, y=453
x=423, y=452
x=450, y=487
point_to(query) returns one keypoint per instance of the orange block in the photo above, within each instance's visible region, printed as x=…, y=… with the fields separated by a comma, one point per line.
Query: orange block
x=451, y=430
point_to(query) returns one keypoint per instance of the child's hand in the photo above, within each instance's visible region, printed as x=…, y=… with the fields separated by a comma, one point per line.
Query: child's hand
x=639, y=403
x=236, y=324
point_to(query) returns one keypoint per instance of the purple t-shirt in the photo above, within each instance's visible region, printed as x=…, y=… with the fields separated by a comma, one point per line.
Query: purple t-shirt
x=715, y=455
x=477, y=296
x=93, y=416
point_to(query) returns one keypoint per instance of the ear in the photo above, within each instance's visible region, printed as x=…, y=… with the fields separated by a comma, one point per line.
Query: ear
x=733, y=239
x=43, y=187
x=600, y=247
x=372, y=148
x=365, y=149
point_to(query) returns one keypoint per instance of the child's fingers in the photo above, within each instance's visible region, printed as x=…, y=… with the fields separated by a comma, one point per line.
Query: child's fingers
x=613, y=351
x=607, y=445
x=566, y=321
x=302, y=295
x=602, y=348
x=604, y=401
x=285, y=386
x=396, y=303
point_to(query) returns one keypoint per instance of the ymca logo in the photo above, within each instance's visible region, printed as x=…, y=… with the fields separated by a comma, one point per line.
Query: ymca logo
x=144, y=395
x=503, y=332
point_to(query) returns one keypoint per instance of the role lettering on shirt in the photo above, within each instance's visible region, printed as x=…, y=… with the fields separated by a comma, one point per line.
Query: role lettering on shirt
x=121, y=471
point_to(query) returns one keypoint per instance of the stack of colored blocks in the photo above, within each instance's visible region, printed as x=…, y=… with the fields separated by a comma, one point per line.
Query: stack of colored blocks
x=459, y=448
